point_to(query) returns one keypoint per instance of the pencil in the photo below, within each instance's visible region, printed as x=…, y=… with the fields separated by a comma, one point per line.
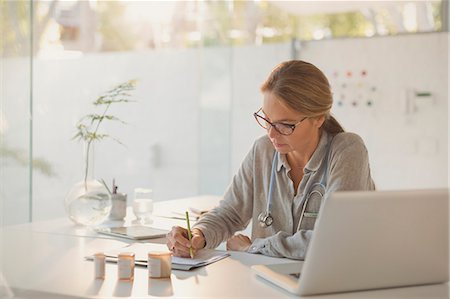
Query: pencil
x=191, y=252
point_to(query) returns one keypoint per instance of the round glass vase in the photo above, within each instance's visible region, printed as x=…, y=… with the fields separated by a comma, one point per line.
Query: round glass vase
x=88, y=203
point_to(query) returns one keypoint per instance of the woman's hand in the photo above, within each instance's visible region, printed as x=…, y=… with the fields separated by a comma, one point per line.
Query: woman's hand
x=178, y=241
x=239, y=243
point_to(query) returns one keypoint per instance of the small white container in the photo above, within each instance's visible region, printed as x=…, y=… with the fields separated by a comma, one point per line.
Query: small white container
x=159, y=264
x=119, y=206
x=99, y=265
x=125, y=266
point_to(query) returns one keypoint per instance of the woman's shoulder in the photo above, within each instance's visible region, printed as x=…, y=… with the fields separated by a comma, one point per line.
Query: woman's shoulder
x=347, y=139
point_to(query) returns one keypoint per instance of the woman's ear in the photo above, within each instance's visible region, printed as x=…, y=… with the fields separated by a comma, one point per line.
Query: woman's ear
x=318, y=121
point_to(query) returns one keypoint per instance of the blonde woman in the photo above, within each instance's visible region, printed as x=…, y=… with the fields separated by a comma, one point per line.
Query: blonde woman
x=288, y=173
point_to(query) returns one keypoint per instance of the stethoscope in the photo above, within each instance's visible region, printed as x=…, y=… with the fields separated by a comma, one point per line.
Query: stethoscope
x=266, y=219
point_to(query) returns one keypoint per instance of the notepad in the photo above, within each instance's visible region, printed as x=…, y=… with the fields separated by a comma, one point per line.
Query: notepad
x=202, y=258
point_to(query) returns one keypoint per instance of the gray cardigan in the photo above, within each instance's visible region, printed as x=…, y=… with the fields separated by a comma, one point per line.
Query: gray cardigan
x=246, y=197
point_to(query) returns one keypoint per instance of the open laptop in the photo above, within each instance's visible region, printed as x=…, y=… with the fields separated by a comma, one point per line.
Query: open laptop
x=371, y=240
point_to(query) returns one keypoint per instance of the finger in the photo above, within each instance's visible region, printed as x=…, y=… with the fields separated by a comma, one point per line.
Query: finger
x=180, y=252
x=181, y=236
x=178, y=236
x=242, y=237
x=176, y=241
x=175, y=230
x=169, y=240
x=169, y=246
x=178, y=248
x=198, y=242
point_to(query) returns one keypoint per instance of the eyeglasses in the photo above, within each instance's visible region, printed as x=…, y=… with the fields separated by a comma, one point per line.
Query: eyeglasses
x=282, y=128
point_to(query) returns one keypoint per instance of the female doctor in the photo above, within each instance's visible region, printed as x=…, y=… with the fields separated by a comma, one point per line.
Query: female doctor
x=288, y=173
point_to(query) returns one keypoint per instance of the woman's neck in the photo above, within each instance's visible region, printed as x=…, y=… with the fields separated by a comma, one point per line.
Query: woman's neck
x=299, y=159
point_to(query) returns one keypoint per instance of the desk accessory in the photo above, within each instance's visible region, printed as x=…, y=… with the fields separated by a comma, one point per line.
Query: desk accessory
x=191, y=250
x=202, y=258
x=99, y=265
x=125, y=266
x=118, y=204
x=159, y=264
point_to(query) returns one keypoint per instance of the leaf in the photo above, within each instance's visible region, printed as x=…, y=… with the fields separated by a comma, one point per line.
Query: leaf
x=117, y=140
x=77, y=136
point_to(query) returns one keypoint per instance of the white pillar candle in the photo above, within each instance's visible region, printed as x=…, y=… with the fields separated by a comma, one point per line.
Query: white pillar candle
x=99, y=265
x=125, y=266
x=159, y=264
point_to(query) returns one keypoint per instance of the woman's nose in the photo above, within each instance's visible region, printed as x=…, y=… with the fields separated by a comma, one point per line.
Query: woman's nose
x=271, y=132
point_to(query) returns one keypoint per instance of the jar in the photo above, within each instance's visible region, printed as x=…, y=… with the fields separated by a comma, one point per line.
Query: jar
x=159, y=264
x=99, y=265
x=125, y=266
x=119, y=206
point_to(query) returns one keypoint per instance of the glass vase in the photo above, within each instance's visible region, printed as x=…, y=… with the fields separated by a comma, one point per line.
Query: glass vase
x=88, y=203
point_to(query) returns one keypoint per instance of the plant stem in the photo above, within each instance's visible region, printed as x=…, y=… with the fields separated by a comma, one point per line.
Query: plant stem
x=89, y=146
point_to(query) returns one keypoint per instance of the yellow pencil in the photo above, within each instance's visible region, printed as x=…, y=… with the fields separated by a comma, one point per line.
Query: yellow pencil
x=191, y=252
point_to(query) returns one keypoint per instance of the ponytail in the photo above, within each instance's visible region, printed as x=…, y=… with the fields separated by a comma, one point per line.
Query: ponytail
x=332, y=126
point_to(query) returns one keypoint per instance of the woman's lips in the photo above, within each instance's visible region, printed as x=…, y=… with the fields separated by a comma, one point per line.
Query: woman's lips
x=278, y=145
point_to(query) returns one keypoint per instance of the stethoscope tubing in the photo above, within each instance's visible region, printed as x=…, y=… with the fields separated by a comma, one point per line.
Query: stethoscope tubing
x=272, y=179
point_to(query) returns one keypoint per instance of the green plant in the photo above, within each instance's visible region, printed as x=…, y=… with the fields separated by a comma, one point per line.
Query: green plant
x=21, y=157
x=88, y=126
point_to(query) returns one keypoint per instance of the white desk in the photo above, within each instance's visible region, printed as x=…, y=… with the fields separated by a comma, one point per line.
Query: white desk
x=41, y=260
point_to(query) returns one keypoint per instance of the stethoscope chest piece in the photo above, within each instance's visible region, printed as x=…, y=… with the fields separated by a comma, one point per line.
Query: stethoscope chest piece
x=265, y=219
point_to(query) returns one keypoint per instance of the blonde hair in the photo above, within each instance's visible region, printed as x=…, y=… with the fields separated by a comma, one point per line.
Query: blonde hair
x=304, y=88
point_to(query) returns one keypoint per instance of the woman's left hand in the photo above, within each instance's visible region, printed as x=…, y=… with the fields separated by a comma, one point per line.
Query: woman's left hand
x=239, y=243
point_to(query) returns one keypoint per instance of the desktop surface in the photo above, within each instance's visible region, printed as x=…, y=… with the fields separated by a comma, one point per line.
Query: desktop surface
x=39, y=260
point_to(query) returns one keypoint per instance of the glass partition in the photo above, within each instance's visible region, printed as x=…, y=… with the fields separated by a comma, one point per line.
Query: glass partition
x=15, y=112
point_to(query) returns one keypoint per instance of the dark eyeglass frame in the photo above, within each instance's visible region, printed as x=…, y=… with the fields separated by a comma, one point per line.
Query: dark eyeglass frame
x=276, y=124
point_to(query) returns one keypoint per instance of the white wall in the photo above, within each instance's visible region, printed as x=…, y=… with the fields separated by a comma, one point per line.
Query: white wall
x=406, y=135
x=251, y=66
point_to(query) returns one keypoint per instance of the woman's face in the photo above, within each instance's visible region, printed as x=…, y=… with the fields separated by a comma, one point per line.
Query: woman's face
x=305, y=134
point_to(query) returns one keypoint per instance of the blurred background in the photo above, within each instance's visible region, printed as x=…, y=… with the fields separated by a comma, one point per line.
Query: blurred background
x=199, y=66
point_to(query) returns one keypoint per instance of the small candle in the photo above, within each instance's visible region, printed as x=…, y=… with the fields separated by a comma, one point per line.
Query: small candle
x=125, y=266
x=99, y=265
x=159, y=264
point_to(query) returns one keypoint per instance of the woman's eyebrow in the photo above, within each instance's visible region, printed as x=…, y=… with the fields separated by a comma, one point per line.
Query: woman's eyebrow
x=278, y=121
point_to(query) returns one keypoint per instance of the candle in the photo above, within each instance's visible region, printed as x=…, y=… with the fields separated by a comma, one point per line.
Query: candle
x=159, y=264
x=125, y=266
x=99, y=265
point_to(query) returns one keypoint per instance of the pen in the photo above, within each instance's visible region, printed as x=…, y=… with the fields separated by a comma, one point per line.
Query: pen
x=191, y=252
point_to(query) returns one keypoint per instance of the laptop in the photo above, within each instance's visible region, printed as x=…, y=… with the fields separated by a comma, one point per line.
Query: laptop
x=371, y=240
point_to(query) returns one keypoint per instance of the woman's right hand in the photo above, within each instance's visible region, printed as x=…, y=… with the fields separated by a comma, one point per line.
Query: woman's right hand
x=178, y=241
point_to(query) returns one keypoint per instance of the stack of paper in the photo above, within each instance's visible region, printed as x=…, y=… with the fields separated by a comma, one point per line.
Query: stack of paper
x=202, y=258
